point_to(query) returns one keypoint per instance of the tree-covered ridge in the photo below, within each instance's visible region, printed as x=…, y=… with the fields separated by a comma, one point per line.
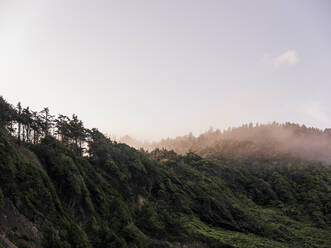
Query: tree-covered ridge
x=251, y=140
x=53, y=196
x=31, y=126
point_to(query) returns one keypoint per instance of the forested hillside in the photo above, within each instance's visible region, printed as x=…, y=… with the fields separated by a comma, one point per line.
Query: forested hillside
x=62, y=185
x=250, y=140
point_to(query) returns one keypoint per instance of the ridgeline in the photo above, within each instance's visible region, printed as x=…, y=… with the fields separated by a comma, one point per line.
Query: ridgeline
x=65, y=186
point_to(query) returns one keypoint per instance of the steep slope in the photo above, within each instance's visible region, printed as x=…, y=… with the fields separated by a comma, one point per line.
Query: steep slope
x=119, y=197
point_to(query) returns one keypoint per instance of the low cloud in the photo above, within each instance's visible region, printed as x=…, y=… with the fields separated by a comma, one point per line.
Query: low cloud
x=289, y=58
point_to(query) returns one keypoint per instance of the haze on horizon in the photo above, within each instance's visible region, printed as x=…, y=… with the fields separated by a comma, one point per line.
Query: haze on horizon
x=153, y=69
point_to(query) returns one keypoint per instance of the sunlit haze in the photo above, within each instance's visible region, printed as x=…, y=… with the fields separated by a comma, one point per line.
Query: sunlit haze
x=153, y=69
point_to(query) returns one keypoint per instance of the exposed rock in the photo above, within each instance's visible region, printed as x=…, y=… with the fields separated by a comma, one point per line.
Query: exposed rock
x=17, y=229
x=6, y=243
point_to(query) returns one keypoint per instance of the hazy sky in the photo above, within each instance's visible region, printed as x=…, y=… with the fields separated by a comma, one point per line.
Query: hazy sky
x=155, y=69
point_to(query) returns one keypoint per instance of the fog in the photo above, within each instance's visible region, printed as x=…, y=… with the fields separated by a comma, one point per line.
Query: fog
x=250, y=140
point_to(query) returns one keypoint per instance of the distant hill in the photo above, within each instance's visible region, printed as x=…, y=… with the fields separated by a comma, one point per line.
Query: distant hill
x=65, y=186
x=249, y=140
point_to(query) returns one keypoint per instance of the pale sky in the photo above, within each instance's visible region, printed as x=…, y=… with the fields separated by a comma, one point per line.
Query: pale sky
x=154, y=69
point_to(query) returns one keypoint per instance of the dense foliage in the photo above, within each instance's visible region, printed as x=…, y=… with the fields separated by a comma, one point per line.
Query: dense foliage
x=55, y=194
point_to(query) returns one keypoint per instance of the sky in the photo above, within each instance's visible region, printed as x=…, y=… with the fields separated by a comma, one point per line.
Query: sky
x=156, y=69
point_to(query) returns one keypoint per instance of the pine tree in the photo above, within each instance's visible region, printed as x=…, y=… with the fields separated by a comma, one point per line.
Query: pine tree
x=62, y=128
x=19, y=120
x=27, y=121
x=47, y=121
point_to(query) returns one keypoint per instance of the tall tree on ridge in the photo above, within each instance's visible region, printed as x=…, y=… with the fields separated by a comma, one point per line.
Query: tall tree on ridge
x=36, y=126
x=62, y=128
x=19, y=120
x=77, y=133
x=47, y=120
x=27, y=121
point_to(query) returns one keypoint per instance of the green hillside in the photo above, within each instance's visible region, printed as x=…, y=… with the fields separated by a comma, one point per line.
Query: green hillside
x=74, y=187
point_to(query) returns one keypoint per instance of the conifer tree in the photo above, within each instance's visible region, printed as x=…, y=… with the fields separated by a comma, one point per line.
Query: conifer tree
x=19, y=120
x=47, y=120
x=62, y=128
x=27, y=121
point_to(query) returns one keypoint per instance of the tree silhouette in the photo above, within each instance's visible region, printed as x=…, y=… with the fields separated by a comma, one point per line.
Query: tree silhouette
x=36, y=126
x=47, y=120
x=32, y=125
x=77, y=133
x=27, y=122
x=19, y=120
x=7, y=114
x=62, y=128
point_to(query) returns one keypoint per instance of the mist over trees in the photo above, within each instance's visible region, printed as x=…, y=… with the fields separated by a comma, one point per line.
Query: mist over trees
x=31, y=126
x=250, y=140
x=229, y=189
